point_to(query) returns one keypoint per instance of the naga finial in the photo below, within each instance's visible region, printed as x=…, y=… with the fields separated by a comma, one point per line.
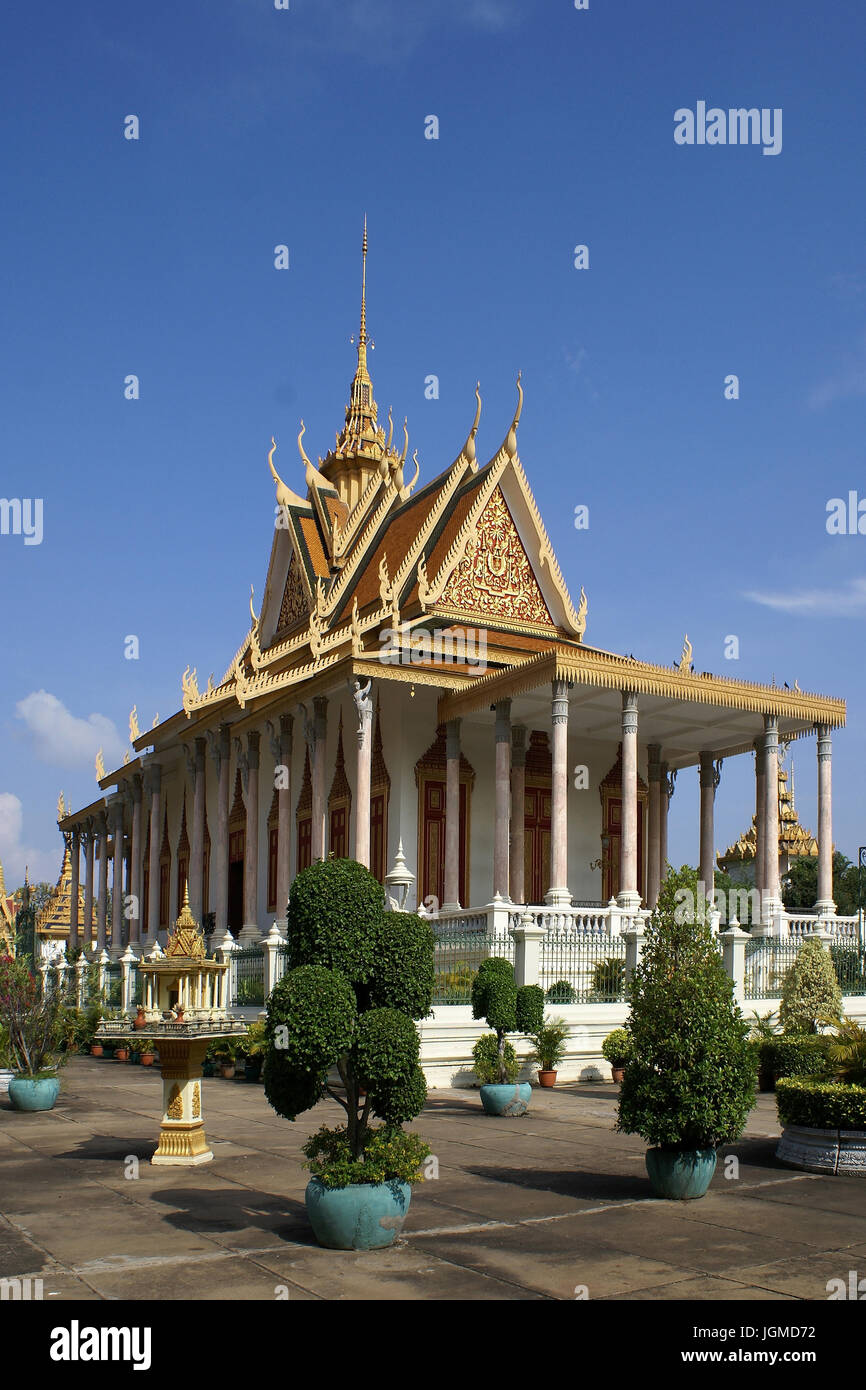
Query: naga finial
x=100, y=766
x=134, y=730
x=686, y=658
x=511, y=441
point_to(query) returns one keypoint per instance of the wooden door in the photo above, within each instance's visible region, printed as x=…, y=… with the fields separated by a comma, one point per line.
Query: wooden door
x=612, y=870
x=433, y=842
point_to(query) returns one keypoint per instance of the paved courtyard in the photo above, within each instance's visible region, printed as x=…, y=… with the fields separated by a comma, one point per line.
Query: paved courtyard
x=522, y=1209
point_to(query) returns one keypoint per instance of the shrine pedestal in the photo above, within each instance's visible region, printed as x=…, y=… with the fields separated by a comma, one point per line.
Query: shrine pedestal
x=182, y=1140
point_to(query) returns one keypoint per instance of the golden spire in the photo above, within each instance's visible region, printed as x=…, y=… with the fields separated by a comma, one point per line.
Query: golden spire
x=362, y=412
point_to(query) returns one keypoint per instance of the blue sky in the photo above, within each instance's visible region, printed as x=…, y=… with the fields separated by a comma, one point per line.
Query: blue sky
x=261, y=127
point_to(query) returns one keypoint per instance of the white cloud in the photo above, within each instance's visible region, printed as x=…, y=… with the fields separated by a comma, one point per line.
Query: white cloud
x=847, y=602
x=15, y=856
x=63, y=739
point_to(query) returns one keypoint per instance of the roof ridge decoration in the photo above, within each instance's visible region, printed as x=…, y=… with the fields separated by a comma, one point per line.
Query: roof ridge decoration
x=547, y=557
x=285, y=497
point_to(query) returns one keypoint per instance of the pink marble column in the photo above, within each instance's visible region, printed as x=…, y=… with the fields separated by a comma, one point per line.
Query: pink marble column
x=251, y=839
x=284, y=818
x=518, y=810
x=89, y=846
x=557, y=894
x=760, y=815
x=320, y=732
x=102, y=898
x=668, y=784
x=502, y=797
x=629, y=896
x=709, y=779
x=117, y=875
x=364, y=711
x=196, y=857
x=75, y=858
x=825, y=904
x=221, y=752
x=154, y=783
x=654, y=813
x=452, y=817
x=771, y=803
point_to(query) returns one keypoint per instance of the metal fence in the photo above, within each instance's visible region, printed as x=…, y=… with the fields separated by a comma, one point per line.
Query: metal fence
x=850, y=965
x=582, y=968
x=767, y=960
x=456, y=958
x=247, y=977
x=114, y=985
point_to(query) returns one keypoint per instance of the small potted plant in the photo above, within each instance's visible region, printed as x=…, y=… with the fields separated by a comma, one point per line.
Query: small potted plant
x=615, y=1049
x=6, y=1071
x=209, y=1064
x=146, y=1055
x=226, y=1053
x=506, y=1008
x=549, y=1044
x=253, y=1046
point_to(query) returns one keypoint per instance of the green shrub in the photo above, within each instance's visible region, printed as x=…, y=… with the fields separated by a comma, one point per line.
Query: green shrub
x=820, y=1104
x=846, y=1051
x=505, y=1006
x=608, y=977
x=616, y=1047
x=762, y=1026
x=360, y=978
x=492, y=1067
x=794, y=1056
x=561, y=992
x=388, y=1154
x=810, y=990
x=690, y=1079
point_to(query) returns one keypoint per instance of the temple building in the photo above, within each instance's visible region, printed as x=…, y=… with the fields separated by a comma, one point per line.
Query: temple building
x=56, y=924
x=7, y=918
x=739, y=860
x=417, y=674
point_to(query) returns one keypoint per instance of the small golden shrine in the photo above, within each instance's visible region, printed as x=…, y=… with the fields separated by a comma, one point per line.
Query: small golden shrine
x=795, y=841
x=183, y=1010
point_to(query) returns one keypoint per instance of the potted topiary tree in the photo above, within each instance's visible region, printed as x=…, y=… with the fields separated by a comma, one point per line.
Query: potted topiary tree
x=340, y=1022
x=506, y=1008
x=690, y=1080
x=615, y=1049
x=35, y=1024
x=548, y=1045
x=810, y=990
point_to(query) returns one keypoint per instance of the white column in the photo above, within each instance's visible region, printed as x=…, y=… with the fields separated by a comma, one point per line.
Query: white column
x=557, y=894
x=117, y=879
x=654, y=813
x=760, y=817
x=825, y=906
x=772, y=901
x=629, y=896
x=518, y=811
x=89, y=846
x=364, y=710
x=451, y=886
x=668, y=786
x=221, y=752
x=502, y=802
x=281, y=749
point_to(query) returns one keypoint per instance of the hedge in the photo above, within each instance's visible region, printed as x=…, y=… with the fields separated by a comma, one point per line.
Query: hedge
x=796, y=1055
x=821, y=1104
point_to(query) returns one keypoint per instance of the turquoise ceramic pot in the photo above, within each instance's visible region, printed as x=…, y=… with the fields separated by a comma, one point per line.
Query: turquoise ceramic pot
x=681, y=1174
x=363, y=1216
x=511, y=1099
x=27, y=1094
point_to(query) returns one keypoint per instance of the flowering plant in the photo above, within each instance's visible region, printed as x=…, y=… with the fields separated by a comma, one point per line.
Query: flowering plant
x=32, y=1018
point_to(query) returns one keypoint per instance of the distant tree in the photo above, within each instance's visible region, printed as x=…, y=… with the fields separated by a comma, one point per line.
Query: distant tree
x=800, y=885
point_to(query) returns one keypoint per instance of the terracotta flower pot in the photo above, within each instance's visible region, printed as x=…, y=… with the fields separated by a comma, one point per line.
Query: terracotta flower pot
x=546, y=1078
x=227, y=1069
x=96, y=1049
x=618, y=1074
x=147, y=1059
x=121, y=1054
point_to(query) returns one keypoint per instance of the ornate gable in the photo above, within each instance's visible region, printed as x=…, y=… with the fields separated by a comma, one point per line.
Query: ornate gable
x=293, y=608
x=495, y=576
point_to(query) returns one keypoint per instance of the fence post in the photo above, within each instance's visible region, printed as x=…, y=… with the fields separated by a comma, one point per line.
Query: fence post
x=80, y=980
x=498, y=915
x=102, y=961
x=226, y=950
x=527, y=949
x=127, y=961
x=271, y=947
x=61, y=965
x=824, y=936
x=734, y=958
x=633, y=937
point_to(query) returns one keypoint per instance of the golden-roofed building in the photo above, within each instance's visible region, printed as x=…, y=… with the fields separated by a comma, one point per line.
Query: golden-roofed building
x=7, y=918
x=53, y=920
x=498, y=712
x=795, y=842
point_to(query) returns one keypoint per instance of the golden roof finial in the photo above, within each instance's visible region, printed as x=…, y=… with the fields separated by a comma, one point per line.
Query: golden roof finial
x=61, y=809
x=134, y=731
x=186, y=939
x=362, y=336
x=100, y=766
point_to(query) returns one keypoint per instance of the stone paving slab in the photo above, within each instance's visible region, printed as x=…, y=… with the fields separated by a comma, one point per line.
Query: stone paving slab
x=522, y=1209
